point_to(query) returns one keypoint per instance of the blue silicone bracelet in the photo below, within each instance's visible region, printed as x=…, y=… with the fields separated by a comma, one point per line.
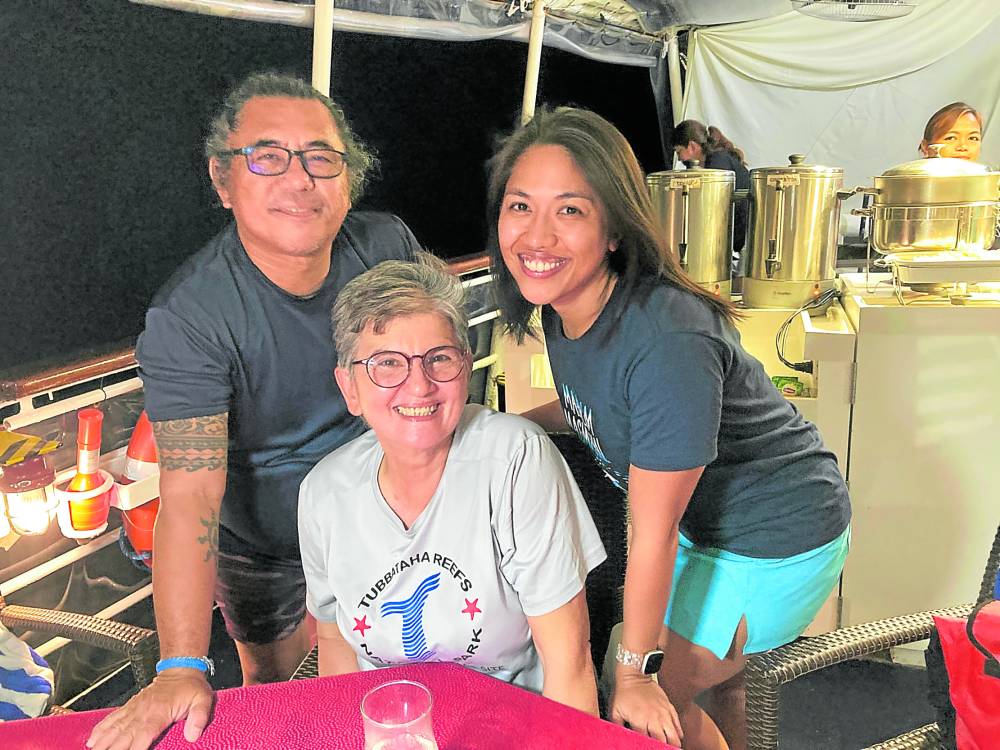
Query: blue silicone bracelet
x=189, y=662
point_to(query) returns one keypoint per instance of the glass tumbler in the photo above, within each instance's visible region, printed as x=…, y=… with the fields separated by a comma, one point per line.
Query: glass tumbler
x=397, y=716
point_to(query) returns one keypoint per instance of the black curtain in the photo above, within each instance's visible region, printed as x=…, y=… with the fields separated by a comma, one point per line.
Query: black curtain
x=105, y=190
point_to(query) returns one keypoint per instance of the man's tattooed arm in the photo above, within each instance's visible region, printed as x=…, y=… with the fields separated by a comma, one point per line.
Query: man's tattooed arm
x=192, y=444
x=187, y=446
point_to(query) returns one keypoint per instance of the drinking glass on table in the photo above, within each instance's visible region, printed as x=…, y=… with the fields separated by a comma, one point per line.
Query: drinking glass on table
x=397, y=716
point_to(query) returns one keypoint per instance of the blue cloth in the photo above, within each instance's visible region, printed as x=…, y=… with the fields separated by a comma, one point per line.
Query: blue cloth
x=664, y=384
x=25, y=679
x=714, y=589
x=221, y=337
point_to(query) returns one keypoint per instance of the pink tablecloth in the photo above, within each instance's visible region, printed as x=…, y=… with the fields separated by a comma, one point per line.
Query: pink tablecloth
x=471, y=712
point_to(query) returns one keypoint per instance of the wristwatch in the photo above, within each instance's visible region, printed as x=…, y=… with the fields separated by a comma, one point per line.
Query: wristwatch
x=648, y=663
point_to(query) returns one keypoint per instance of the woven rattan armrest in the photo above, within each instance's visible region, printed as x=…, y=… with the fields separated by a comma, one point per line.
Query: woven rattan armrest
x=140, y=645
x=766, y=672
x=928, y=737
x=309, y=667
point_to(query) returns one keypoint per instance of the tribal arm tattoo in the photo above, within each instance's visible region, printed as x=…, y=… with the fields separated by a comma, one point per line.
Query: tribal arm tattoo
x=211, y=536
x=187, y=446
x=193, y=444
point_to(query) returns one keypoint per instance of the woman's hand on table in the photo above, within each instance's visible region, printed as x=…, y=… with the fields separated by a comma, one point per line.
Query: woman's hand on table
x=641, y=703
x=182, y=694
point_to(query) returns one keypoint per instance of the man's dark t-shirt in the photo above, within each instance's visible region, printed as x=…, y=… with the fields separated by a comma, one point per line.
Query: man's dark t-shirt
x=221, y=337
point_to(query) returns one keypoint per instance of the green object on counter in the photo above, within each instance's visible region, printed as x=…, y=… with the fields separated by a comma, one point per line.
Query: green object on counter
x=788, y=385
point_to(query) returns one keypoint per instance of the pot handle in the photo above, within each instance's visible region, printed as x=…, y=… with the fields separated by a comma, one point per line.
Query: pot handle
x=843, y=195
x=866, y=212
x=682, y=246
x=772, y=262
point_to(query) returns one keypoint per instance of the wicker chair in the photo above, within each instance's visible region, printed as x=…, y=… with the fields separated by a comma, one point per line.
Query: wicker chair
x=608, y=508
x=139, y=645
x=767, y=672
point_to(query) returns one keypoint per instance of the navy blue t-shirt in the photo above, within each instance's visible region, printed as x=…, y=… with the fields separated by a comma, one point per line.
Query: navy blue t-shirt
x=672, y=388
x=220, y=336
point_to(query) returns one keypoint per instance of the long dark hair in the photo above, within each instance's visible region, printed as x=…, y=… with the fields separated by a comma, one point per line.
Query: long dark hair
x=709, y=138
x=601, y=152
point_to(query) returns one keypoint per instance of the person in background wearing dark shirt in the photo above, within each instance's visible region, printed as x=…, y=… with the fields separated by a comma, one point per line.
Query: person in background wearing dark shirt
x=237, y=362
x=708, y=147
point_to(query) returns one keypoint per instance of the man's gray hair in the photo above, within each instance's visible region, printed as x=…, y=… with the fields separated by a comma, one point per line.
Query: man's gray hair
x=393, y=289
x=359, y=160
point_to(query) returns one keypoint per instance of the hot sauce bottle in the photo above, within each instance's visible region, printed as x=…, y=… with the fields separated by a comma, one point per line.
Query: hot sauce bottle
x=90, y=512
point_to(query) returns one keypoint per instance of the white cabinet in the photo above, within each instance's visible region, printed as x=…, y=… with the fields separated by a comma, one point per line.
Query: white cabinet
x=924, y=464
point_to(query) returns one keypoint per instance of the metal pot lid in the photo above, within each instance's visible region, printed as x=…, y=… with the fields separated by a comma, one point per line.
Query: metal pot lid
x=705, y=175
x=937, y=167
x=797, y=165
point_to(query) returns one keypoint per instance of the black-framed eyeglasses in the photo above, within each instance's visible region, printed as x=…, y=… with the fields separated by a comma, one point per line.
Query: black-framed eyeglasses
x=271, y=161
x=441, y=364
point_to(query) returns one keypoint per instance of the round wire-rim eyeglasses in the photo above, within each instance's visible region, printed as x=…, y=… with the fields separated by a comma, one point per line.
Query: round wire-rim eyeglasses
x=442, y=364
x=271, y=161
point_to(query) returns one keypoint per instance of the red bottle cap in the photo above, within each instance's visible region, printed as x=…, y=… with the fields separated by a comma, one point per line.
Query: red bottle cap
x=89, y=432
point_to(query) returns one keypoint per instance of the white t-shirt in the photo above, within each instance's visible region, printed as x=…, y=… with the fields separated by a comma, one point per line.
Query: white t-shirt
x=507, y=534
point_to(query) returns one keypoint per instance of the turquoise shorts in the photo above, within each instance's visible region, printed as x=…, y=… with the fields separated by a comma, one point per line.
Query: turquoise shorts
x=714, y=589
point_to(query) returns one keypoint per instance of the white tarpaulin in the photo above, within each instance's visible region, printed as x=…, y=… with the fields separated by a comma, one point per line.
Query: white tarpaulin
x=626, y=32
x=851, y=95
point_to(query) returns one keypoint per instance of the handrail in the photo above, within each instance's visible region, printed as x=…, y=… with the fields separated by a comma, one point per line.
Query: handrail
x=469, y=263
x=68, y=374
x=65, y=375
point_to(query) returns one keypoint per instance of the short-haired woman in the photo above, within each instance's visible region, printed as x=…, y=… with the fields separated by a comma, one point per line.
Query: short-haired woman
x=448, y=532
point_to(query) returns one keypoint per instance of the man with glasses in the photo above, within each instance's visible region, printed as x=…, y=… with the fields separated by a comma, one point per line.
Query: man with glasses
x=237, y=361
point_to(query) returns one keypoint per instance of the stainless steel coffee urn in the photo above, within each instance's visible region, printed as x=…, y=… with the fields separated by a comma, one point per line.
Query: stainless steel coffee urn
x=792, y=235
x=694, y=210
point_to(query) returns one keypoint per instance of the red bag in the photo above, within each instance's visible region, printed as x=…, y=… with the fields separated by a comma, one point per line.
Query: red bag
x=970, y=655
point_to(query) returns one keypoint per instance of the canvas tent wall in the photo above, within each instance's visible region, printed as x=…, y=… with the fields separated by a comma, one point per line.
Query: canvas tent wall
x=775, y=81
x=855, y=96
x=615, y=31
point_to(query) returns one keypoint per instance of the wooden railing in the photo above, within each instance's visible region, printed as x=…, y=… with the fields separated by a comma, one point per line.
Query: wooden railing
x=469, y=264
x=65, y=375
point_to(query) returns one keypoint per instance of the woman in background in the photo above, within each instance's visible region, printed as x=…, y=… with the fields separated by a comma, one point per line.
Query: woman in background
x=708, y=147
x=958, y=129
